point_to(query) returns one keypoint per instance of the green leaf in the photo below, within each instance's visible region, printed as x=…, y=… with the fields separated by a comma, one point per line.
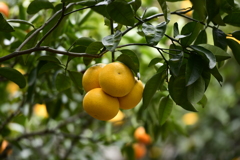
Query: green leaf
x=235, y=47
x=192, y=29
x=31, y=43
x=37, y=5
x=196, y=91
x=217, y=75
x=151, y=87
x=219, y=38
x=201, y=38
x=13, y=75
x=236, y=35
x=219, y=53
x=112, y=41
x=165, y=109
x=154, y=34
x=194, y=69
x=175, y=63
x=20, y=21
x=232, y=19
x=178, y=92
x=175, y=29
x=50, y=59
x=165, y=10
x=121, y=12
x=136, y=4
x=207, y=54
x=129, y=58
x=76, y=77
x=48, y=66
x=54, y=108
x=93, y=48
x=203, y=101
x=83, y=41
x=154, y=61
x=62, y=82
x=5, y=26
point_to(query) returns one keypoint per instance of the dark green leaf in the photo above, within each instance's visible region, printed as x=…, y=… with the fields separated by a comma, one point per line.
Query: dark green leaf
x=154, y=61
x=175, y=29
x=232, y=19
x=37, y=5
x=178, y=92
x=83, y=41
x=217, y=75
x=192, y=29
x=154, y=34
x=76, y=77
x=151, y=87
x=235, y=47
x=201, y=38
x=194, y=69
x=121, y=12
x=207, y=54
x=48, y=66
x=136, y=4
x=196, y=91
x=21, y=22
x=129, y=58
x=5, y=26
x=220, y=54
x=54, y=108
x=219, y=38
x=50, y=59
x=112, y=41
x=199, y=8
x=175, y=63
x=206, y=75
x=62, y=82
x=236, y=35
x=203, y=101
x=93, y=48
x=165, y=10
x=165, y=109
x=13, y=75
x=31, y=43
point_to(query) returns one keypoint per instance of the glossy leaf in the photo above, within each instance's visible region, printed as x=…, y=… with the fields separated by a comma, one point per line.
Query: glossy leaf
x=5, y=26
x=165, y=109
x=201, y=38
x=154, y=61
x=165, y=10
x=121, y=12
x=62, y=82
x=153, y=34
x=13, y=75
x=235, y=47
x=236, y=35
x=151, y=87
x=83, y=41
x=232, y=19
x=192, y=29
x=219, y=38
x=175, y=63
x=178, y=92
x=175, y=29
x=194, y=69
x=136, y=4
x=76, y=78
x=112, y=41
x=217, y=75
x=129, y=58
x=48, y=67
x=219, y=53
x=37, y=5
x=207, y=54
x=50, y=59
x=54, y=108
x=93, y=48
x=196, y=91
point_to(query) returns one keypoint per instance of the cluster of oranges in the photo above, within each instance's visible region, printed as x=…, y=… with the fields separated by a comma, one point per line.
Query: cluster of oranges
x=110, y=87
x=143, y=139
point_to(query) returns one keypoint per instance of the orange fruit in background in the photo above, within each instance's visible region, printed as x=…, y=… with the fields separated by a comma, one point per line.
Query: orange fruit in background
x=141, y=136
x=116, y=79
x=133, y=98
x=139, y=150
x=118, y=119
x=190, y=118
x=4, y=9
x=40, y=110
x=100, y=105
x=4, y=148
x=90, y=79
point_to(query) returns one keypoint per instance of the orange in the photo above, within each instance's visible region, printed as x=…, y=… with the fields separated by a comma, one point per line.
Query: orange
x=4, y=9
x=90, y=78
x=139, y=150
x=133, y=98
x=141, y=136
x=5, y=148
x=40, y=110
x=190, y=118
x=118, y=119
x=100, y=105
x=116, y=79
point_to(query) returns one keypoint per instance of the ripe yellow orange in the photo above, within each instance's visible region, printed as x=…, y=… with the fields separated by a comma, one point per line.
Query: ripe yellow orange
x=141, y=136
x=100, y=105
x=116, y=79
x=190, y=118
x=4, y=148
x=133, y=98
x=4, y=9
x=90, y=78
x=139, y=150
x=40, y=110
x=118, y=119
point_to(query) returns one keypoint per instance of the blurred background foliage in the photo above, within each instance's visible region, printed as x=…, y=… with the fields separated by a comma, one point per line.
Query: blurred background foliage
x=210, y=134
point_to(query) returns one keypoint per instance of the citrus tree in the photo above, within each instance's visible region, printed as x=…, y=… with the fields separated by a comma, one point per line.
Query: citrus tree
x=47, y=46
